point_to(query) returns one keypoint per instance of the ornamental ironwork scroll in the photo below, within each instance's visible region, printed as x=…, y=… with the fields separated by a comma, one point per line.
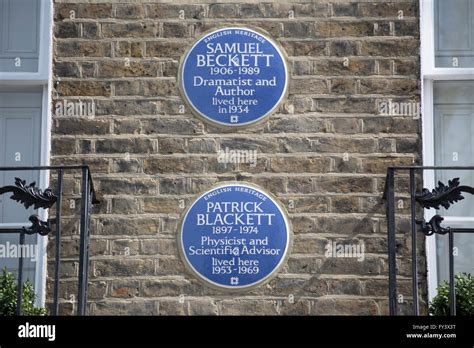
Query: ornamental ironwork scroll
x=30, y=195
x=441, y=196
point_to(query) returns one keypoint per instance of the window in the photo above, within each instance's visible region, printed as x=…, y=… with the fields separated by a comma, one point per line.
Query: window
x=24, y=40
x=447, y=61
x=20, y=32
x=25, y=65
x=454, y=33
x=453, y=114
x=20, y=119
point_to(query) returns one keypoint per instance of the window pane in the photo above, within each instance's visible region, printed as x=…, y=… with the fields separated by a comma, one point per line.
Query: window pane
x=20, y=115
x=19, y=35
x=464, y=256
x=454, y=146
x=454, y=46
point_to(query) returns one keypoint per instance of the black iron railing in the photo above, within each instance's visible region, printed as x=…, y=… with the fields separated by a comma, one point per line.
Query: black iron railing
x=29, y=195
x=442, y=195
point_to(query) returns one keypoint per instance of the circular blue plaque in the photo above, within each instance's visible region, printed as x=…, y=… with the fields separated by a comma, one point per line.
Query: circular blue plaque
x=234, y=76
x=234, y=236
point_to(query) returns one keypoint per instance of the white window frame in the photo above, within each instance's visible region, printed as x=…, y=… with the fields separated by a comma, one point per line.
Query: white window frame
x=430, y=74
x=428, y=69
x=43, y=77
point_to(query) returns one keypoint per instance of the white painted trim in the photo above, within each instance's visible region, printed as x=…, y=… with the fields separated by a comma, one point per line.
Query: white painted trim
x=427, y=36
x=46, y=48
x=451, y=74
x=429, y=181
x=45, y=62
x=427, y=65
x=42, y=76
x=41, y=263
x=455, y=219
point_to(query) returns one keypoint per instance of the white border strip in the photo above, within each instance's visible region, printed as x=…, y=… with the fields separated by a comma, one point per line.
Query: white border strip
x=427, y=67
x=45, y=67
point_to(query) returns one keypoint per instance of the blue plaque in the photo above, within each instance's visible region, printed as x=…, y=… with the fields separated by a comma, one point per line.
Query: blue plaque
x=234, y=76
x=234, y=236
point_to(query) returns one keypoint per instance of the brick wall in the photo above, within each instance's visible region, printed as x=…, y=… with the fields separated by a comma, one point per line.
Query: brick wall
x=323, y=153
